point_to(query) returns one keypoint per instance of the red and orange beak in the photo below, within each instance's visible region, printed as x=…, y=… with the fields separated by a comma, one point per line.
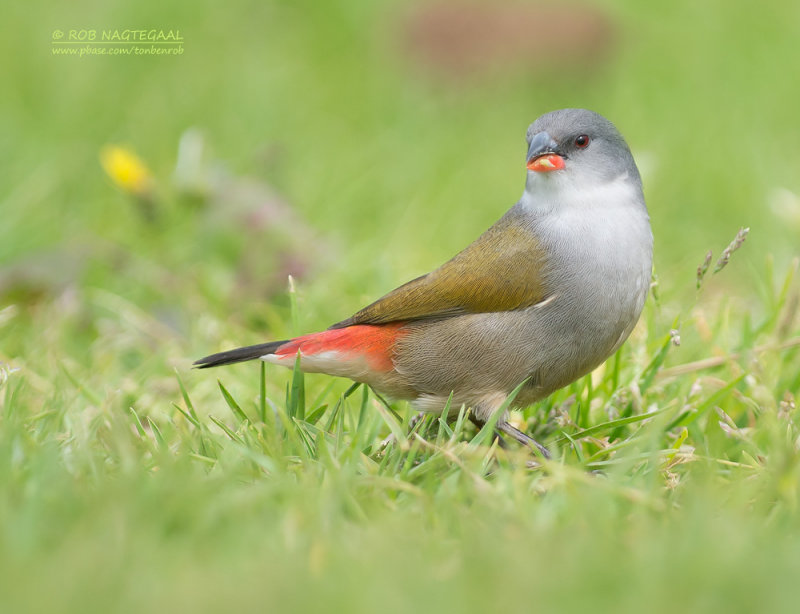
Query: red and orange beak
x=542, y=154
x=546, y=163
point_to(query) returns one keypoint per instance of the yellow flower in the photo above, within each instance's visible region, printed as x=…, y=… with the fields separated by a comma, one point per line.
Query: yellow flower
x=126, y=170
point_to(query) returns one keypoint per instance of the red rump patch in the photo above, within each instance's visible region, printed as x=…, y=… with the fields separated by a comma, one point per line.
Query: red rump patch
x=373, y=342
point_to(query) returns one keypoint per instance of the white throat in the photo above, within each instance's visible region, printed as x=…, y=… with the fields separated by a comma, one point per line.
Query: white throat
x=560, y=193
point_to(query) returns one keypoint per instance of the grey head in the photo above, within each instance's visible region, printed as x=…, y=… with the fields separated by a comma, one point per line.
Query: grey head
x=586, y=149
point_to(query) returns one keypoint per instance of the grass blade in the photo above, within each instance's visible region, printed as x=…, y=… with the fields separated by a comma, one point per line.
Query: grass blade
x=262, y=396
x=187, y=400
x=297, y=392
x=234, y=406
x=612, y=424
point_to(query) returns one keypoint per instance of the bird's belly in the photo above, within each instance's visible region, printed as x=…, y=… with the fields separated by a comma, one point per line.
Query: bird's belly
x=550, y=345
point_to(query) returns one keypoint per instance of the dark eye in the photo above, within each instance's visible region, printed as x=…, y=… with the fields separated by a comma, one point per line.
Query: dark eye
x=581, y=141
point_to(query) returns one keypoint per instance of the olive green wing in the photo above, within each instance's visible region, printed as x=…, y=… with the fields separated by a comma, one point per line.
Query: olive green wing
x=502, y=270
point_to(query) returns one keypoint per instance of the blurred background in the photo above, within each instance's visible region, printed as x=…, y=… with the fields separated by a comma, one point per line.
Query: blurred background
x=357, y=144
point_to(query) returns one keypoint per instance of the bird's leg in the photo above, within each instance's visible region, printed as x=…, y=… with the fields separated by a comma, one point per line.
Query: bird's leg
x=414, y=420
x=480, y=424
x=411, y=424
x=505, y=427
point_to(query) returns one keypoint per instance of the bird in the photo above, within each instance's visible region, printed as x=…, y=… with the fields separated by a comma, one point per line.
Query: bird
x=540, y=299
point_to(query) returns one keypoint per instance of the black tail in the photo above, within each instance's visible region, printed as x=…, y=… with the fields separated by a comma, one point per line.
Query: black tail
x=251, y=352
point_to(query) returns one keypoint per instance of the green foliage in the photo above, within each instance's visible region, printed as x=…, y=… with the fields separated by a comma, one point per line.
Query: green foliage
x=661, y=475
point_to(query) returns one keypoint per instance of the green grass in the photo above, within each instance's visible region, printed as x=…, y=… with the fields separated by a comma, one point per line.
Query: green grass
x=130, y=482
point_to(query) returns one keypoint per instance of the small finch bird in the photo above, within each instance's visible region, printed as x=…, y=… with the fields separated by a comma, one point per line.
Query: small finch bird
x=542, y=297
